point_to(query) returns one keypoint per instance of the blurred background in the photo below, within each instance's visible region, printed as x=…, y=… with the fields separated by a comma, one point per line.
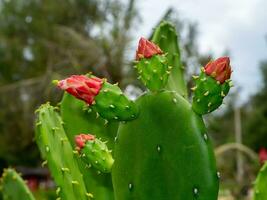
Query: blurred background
x=42, y=40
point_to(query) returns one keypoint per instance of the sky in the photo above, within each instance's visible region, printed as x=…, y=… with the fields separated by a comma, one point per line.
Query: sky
x=236, y=25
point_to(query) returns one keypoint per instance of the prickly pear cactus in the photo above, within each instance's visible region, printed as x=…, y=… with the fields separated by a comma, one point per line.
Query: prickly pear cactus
x=79, y=118
x=13, y=186
x=94, y=152
x=59, y=155
x=162, y=149
x=260, y=188
x=165, y=153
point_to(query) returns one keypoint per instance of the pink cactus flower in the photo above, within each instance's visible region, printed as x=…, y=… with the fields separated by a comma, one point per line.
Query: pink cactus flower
x=81, y=139
x=219, y=69
x=147, y=49
x=82, y=87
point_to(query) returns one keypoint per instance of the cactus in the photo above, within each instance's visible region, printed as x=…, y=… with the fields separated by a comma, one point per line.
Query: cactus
x=14, y=187
x=165, y=37
x=212, y=85
x=165, y=153
x=94, y=152
x=161, y=150
x=58, y=153
x=260, y=192
x=151, y=65
x=79, y=118
x=107, y=99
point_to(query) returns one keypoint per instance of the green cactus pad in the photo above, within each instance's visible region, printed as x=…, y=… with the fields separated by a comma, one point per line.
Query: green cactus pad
x=14, y=187
x=59, y=155
x=165, y=153
x=165, y=37
x=96, y=153
x=208, y=93
x=260, y=188
x=112, y=104
x=79, y=118
x=154, y=71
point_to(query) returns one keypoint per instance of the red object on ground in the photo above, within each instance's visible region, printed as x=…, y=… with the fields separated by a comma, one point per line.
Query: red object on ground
x=219, y=69
x=32, y=183
x=82, y=87
x=147, y=49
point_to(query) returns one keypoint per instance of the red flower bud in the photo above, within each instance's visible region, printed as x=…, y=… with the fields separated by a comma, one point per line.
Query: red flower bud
x=81, y=139
x=147, y=49
x=219, y=69
x=82, y=87
x=263, y=155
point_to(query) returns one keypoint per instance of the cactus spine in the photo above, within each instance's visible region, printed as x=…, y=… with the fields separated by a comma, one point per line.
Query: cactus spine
x=14, y=187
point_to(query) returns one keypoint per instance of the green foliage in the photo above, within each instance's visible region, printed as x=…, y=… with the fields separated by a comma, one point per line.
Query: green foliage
x=256, y=115
x=14, y=187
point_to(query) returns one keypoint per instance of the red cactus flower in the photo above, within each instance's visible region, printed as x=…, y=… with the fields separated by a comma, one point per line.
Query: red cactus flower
x=147, y=49
x=263, y=155
x=81, y=139
x=82, y=87
x=219, y=69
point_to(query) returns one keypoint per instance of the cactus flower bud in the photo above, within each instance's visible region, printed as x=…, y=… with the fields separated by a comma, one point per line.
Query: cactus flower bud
x=219, y=69
x=81, y=139
x=212, y=85
x=82, y=87
x=147, y=49
x=263, y=155
x=94, y=152
x=106, y=99
x=152, y=65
